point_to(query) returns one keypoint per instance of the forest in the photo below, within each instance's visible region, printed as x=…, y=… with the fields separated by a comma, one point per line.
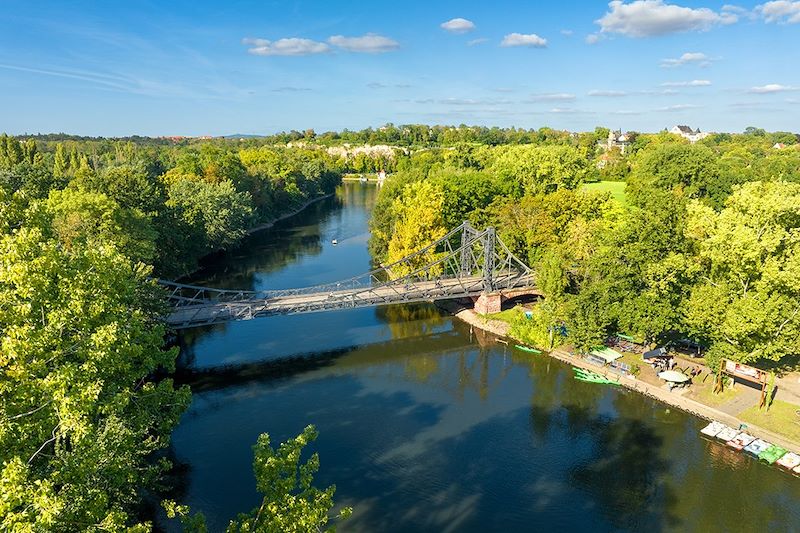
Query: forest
x=703, y=246
x=702, y=249
x=87, y=406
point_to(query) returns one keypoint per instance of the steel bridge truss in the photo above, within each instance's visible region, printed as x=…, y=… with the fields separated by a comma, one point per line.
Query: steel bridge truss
x=465, y=262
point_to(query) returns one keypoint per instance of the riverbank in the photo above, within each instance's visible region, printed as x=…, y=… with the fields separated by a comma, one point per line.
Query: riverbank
x=671, y=398
x=256, y=229
x=267, y=225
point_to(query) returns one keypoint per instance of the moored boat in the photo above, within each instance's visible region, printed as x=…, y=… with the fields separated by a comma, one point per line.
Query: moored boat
x=727, y=434
x=740, y=441
x=757, y=446
x=772, y=454
x=790, y=461
x=588, y=376
x=527, y=348
x=713, y=428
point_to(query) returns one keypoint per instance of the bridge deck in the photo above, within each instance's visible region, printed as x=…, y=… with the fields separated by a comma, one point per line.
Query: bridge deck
x=211, y=312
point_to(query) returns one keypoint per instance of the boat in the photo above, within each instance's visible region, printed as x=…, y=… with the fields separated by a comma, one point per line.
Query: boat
x=363, y=179
x=772, y=454
x=713, y=428
x=527, y=348
x=334, y=242
x=727, y=434
x=740, y=441
x=757, y=446
x=587, y=376
x=790, y=461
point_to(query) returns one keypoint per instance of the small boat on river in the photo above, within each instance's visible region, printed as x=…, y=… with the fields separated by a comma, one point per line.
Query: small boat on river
x=772, y=454
x=727, y=434
x=740, y=441
x=527, y=348
x=757, y=446
x=790, y=461
x=713, y=428
x=588, y=376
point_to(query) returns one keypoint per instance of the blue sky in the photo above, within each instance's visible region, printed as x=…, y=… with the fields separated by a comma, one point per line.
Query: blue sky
x=215, y=68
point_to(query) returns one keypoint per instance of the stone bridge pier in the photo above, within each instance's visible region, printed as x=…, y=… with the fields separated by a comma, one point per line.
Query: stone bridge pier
x=492, y=302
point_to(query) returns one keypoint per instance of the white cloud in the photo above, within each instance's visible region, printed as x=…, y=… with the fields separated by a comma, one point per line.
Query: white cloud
x=371, y=43
x=463, y=102
x=772, y=88
x=693, y=83
x=593, y=38
x=782, y=11
x=567, y=33
x=648, y=18
x=552, y=97
x=380, y=85
x=689, y=58
x=480, y=40
x=679, y=107
x=291, y=46
x=612, y=94
x=569, y=111
x=290, y=89
x=522, y=39
x=458, y=25
x=660, y=92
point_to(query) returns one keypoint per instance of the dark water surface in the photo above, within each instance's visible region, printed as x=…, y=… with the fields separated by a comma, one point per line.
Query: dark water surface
x=426, y=426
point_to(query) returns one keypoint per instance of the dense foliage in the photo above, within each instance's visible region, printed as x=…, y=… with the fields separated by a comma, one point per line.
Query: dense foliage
x=172, y=204
x=290, y=502
x=706, y=247
x=86, y=411
x=703, y=249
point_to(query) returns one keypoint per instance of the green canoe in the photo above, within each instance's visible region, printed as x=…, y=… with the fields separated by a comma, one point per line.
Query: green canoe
x=772, y=454
x=528, y=349
x=587, y=376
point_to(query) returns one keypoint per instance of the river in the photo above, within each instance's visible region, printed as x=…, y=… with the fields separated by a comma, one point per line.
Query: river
x=426, y=425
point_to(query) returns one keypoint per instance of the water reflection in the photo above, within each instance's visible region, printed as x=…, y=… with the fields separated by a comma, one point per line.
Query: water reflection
x=423, y=428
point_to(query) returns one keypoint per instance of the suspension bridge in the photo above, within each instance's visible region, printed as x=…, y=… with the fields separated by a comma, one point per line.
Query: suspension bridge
x=464, y=263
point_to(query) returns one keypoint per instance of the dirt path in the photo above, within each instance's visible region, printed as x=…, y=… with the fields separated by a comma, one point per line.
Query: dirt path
x=745, y=399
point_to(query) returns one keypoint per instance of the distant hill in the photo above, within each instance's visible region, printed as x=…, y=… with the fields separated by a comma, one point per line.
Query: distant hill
x=242, y=136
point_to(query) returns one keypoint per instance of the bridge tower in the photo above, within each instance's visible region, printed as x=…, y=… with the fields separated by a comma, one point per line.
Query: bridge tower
x=490, y=300
x=481, y=267
x=466, y=255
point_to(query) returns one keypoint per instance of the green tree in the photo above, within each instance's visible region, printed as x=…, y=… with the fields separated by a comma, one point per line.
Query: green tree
x=418, y=223
x=80, y=416
x=688, y=170
x=217, y=214
x=291, y=503
x=747, y=306
x=61, y=161
x=80, y=218
x=539, y=169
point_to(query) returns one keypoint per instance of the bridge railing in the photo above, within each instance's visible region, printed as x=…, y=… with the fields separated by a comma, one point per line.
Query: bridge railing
x=478, y=254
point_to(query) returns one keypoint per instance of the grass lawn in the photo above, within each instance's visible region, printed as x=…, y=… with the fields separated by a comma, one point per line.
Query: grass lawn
x=616, y=188
x=780, y=418
x=630, y=358
x=506, y=316
x=704, y=393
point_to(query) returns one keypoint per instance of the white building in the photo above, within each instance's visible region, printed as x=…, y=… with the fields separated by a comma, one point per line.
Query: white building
x=616, y=139
x=688, y=133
